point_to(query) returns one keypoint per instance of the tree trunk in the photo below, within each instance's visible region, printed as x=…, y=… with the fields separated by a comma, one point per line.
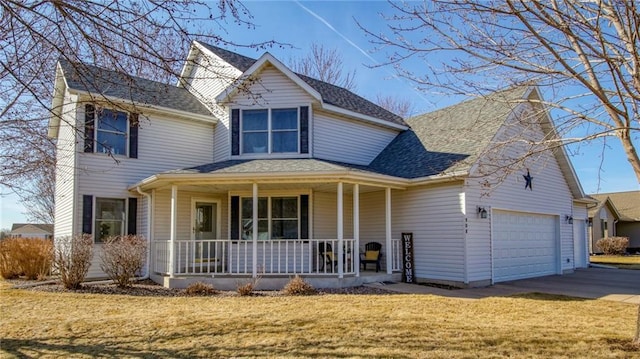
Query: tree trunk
x=632, y=155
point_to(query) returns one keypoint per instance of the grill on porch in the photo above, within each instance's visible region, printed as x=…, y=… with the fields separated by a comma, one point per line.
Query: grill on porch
x=224, y=257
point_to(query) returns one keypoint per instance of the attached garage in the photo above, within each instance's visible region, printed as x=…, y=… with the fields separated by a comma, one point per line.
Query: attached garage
x=525, y=245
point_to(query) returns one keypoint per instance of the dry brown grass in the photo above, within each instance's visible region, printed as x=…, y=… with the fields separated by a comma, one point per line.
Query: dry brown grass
x=622, y=262
x=39, y=324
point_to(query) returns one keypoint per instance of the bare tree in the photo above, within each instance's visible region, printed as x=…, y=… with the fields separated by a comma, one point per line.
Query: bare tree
x=325, y=65
x=147, y=38
x=583, y=55
x=400, y=106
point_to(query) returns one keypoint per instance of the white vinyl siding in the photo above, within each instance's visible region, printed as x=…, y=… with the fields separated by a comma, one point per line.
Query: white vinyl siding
x=206, y=84
x=550, y=195
x=274, y=90
x=65, y=175
x=325, y=218
x=163, y=144
x=434, y=216
x=349, y=141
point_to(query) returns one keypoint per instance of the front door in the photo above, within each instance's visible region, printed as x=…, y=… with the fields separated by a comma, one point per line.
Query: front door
x=205, y=228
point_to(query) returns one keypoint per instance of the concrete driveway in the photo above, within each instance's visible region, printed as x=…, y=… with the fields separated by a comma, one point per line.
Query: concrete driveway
x=594, y=283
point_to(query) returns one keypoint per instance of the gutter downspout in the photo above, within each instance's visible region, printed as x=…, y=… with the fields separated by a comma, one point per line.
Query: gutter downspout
x=148, y=261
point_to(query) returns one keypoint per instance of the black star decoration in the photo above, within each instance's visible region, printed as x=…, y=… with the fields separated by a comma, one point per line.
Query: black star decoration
x=528, y=181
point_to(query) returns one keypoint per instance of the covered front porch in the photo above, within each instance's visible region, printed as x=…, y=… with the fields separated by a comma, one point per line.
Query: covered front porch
x=235, y=229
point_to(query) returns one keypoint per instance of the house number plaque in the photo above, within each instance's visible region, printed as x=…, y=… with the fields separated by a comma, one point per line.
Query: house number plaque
x=407, y=258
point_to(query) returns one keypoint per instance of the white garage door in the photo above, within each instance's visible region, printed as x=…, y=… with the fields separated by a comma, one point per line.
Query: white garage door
x=524, y=245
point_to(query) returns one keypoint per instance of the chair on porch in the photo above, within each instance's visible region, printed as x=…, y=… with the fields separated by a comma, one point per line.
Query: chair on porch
x=372, y=254
x=327, y=257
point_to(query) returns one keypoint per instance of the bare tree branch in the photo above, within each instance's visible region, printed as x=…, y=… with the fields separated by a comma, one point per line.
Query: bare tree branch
x=145, y=38
x=583, y=55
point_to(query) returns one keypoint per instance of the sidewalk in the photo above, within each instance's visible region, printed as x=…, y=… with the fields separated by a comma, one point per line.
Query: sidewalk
x=594, y=283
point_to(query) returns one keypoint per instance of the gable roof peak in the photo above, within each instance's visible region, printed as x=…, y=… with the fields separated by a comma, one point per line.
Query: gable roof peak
x=330, y=94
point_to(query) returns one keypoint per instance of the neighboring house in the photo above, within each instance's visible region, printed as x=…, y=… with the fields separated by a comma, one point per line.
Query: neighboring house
x=253, y=170
x=31, y=230
x=617, y=214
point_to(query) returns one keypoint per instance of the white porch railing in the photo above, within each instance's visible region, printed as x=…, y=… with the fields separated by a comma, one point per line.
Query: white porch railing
x=274, y=257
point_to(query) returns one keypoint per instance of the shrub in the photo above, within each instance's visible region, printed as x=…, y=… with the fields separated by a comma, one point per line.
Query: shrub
x=30, y=257
x=123, y=257
x=9, y=267
x=298, y=286
x=613, y=245
x=72, y=258
x=36, y=257
x=200, y=289
x=247, y=288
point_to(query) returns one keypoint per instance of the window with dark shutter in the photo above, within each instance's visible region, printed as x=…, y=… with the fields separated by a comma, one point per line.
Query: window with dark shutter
x=133, y=135
x=235, y=132
x=132, y=216
x=304, y=216
x=87, y=214
x=235, y=217
x=89, y=126
x=304, y=129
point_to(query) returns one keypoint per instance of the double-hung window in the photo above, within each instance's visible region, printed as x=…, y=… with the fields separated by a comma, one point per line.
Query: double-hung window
x=270, y=131
x=278, y=218
x=111, y=131
x=110, y=218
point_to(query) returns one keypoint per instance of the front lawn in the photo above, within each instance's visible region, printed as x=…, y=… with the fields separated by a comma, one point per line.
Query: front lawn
x=40, y=324
x=622, y=262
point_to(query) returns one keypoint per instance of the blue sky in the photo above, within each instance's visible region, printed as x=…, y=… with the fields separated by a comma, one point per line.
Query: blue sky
x=332, y=24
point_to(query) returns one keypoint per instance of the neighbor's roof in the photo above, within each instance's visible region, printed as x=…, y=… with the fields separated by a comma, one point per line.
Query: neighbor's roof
x=627, y=204
x=331, y=94
x=449, y=140
x=109, y=83
x=43, y=226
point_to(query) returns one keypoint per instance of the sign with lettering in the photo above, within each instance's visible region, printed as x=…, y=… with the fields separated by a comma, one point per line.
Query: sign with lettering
x=408, y=273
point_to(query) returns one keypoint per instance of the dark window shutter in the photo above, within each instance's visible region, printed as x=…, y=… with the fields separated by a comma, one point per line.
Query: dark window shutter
x=235, y=217
x=87, y=214
x=235, y=132
x=132, y=216
x=304, y=129
x=133, y=135
x=304, y=216
x=89, y=126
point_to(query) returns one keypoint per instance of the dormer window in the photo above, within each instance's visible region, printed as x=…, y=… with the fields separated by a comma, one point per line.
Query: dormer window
x=278, y=131
x=270, y=131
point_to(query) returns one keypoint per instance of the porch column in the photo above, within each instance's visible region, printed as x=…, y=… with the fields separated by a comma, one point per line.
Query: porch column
x=387, y=221
x=254, y=265
x=340, y=232
x=355, y=251
x=174, y=230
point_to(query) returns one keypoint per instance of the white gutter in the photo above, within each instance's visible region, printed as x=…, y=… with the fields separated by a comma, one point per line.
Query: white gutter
x=148, y=261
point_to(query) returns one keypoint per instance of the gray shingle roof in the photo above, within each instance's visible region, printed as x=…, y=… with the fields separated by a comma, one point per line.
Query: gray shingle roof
x=448, y=140
x=627, y=204
x=110, y=83
x=43, y=226
x=300, y=166
x=331, y=94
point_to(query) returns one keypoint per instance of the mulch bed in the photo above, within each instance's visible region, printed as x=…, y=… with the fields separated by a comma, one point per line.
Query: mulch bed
x=148, y=288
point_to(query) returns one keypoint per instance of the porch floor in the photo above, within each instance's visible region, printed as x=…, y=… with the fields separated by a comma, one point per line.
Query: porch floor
x=278, y=282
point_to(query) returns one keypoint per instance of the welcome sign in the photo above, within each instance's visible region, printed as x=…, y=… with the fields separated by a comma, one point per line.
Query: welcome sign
x=407, y=258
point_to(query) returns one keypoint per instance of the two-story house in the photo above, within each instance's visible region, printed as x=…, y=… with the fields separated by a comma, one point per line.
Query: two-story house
x=247, y=169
